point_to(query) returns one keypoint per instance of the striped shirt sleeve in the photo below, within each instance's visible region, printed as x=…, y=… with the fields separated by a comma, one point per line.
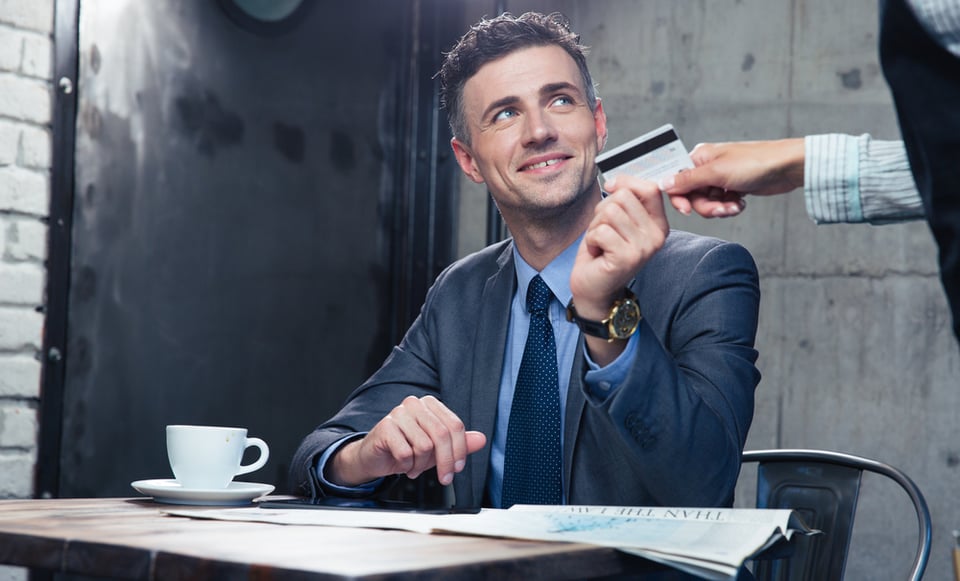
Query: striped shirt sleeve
x=941, y=19
x=852, y=179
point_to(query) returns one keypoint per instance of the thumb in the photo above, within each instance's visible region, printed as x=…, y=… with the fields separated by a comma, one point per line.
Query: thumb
x=475, y=441
x=688, y=181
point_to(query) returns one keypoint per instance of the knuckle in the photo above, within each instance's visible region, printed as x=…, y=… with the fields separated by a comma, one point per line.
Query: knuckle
x=404, y=457
x=422, y=447
x=607, y=212
x=441, y=431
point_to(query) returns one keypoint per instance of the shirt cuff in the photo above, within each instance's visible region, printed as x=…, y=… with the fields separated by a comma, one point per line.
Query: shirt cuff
x=361, y=490
x=604, y=381
x=831, y=178
x=887, y=190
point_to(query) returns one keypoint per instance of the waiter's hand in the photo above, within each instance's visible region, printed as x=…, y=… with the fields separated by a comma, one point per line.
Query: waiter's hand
x=415, y=436
x=726, y=172
x=629, y=226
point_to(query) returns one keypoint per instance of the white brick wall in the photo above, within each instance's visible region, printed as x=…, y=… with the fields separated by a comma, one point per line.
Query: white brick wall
x=23, y=239
x=32, y=15
x=19, y=378
x=26, y=107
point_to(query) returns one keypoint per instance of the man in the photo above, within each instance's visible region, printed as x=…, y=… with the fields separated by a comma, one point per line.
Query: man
x=920, y=56
x=651, y=411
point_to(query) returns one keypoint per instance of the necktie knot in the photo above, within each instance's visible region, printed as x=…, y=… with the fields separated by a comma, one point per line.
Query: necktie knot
x=538, y=296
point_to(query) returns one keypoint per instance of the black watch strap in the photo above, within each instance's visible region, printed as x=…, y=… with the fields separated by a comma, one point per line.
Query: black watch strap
x=592, y=328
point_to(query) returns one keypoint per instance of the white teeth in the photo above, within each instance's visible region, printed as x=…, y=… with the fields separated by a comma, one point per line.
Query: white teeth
x=543, y=164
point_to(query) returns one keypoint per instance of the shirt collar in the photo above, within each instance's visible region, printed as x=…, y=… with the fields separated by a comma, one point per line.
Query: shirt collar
x=556, y=274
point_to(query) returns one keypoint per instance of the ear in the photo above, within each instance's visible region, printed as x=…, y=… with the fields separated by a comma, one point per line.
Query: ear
x=600, y=121
x=466, y=160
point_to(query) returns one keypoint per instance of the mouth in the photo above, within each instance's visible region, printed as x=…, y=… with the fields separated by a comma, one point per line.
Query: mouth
x=543, y=163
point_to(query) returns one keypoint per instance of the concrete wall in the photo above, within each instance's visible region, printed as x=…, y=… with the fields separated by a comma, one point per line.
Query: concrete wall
x=856, y=350
x=26, y=58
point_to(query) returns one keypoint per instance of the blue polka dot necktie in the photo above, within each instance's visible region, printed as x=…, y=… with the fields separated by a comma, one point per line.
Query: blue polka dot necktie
x=531, y=466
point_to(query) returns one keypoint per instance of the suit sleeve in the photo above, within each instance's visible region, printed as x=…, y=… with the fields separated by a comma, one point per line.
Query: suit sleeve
x=686, y=404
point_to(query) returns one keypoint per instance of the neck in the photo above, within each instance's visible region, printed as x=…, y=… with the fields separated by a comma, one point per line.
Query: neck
x=540, y=239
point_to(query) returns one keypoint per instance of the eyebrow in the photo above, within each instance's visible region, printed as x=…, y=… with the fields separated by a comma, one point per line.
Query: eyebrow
x=544, y=90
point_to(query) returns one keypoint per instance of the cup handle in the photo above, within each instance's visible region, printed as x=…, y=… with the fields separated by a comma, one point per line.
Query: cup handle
x=264, y=455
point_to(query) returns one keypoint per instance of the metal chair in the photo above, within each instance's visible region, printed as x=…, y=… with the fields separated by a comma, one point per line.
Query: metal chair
x=822, y=487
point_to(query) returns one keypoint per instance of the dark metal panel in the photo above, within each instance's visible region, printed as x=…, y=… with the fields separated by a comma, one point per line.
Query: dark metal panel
x=58, y=264
x=426, y=201
x=232, y=242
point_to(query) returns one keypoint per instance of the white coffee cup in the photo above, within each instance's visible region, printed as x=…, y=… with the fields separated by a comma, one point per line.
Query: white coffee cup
x=208, y=457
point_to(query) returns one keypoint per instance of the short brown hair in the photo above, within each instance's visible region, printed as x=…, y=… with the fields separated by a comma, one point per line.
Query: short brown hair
x=489, y=40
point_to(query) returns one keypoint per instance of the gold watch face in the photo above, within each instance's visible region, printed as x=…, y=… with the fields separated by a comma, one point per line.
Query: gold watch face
x=625, y=319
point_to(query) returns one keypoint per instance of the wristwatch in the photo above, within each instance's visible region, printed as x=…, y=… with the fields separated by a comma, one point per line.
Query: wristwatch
x=621, y=322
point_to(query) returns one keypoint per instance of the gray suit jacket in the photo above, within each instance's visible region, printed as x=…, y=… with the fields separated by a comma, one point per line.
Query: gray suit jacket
x=671, y=435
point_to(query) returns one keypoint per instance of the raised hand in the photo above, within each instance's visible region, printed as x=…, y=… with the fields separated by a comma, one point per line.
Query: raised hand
x=629, y=226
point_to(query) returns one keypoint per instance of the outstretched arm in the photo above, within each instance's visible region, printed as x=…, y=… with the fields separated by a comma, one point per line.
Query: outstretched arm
x=726, y=172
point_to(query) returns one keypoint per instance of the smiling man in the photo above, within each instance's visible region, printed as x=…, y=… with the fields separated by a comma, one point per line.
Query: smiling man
x=594, y=357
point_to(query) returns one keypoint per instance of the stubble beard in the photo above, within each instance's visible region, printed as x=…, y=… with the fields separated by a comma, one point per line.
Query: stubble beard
x=544, y=205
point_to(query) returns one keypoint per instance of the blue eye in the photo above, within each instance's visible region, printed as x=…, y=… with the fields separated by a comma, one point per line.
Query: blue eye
x=564, y=100
x=505, y=114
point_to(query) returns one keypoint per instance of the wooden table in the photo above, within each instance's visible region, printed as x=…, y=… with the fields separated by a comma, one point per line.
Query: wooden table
x=133, y=539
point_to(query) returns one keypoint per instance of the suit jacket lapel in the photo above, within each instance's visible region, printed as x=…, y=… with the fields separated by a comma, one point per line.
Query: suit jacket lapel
x=494, y=314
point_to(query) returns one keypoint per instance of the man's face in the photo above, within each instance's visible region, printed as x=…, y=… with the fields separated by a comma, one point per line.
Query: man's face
x=533, y=136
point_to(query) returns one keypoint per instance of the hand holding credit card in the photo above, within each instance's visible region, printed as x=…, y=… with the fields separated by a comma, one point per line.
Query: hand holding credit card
x=652, y=156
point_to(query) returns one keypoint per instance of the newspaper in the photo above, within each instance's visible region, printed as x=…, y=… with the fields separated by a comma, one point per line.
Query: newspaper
x=710, y=543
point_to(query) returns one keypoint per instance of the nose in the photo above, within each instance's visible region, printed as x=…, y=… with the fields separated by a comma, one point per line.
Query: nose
x=539, y=129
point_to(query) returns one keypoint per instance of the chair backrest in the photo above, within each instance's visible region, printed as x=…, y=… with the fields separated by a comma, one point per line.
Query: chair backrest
x=822, y=487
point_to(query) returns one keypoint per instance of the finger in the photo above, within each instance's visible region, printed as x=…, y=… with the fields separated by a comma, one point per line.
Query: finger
x=706, y=207
x=619, y=221
x=681, y=203
x=716, y=202
x=719, y=206
x=620, y=211
x=729, y=203
x=640, y=188
x=690, y=180
x=371, y=457
x=425, y=434
x=642, y=202
x=703, y=153
x=408, y=446
x=651, y=197
x=449, y=439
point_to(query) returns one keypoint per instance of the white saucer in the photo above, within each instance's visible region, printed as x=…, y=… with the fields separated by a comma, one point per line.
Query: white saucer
x=169, y=491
